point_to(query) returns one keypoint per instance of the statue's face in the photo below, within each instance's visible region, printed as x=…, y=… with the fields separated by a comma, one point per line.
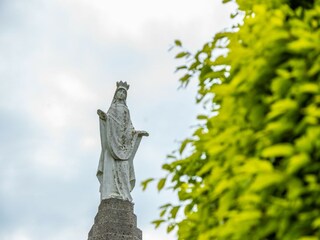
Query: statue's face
x=121, y=94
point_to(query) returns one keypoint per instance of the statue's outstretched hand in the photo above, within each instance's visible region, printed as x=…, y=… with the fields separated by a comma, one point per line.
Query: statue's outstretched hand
x=143, y=133
x=102, y=114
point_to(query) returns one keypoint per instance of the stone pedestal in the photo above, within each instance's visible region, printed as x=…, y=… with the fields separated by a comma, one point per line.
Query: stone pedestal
x=115, y=220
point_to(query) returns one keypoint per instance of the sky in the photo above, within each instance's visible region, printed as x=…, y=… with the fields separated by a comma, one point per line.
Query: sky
x=59, y=62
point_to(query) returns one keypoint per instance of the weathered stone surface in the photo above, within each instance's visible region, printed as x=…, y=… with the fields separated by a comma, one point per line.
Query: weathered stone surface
x=115, y=220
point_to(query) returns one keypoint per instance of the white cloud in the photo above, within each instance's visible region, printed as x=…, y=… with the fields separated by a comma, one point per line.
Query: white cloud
x=77, y=232
x=17, y=235
x=160, y=234
x=125, y=18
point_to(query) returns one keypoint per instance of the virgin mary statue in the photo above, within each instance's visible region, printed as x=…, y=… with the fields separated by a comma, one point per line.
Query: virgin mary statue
x=119, y=143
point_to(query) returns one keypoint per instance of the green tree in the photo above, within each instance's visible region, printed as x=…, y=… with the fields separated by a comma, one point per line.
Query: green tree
x=252, y=169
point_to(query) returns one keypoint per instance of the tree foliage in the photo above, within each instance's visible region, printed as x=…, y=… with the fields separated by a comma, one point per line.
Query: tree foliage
x=253, y=171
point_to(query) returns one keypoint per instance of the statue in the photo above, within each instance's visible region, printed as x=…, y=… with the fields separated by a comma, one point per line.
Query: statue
x=119, y=143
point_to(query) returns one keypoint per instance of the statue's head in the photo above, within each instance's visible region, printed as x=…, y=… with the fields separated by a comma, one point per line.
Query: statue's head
x=123, y=85
x=121, y=92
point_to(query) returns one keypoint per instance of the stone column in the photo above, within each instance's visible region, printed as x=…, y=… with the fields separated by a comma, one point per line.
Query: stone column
x=115, y=220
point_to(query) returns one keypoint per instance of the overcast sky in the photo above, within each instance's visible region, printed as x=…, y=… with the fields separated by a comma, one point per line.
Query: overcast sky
x=59, y=62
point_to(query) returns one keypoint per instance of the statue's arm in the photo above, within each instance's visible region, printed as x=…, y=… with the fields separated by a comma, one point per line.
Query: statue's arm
x=102, y=114
x=102, y=127
x=142, y=133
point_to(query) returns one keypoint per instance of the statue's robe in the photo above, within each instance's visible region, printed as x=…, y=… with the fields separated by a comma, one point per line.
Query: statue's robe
x=119, y=143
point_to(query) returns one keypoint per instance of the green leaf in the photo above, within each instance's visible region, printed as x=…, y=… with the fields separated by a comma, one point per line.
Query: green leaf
x=174, y=211
x=213, y=75
x=178, y=43
x=181, y=67
x=204, y=72
x=188, y=208
x=157, y=223
x=146, y=182
x=221, y=186
x=163, y=212
x=166, y=205
x=265, y=180
x=250, y=198
x=184, y=144
x=280, y=86
x=314, y=69
x=161, y=183
x=296, y=162
x=202, y=117
x=253, y=166
x=308, y=88
x=281, y=107
x=316, y=223
x=167, y=167
x=185, y=78
x=206, y=168
x=170, y=227
x=301, y=45
x=171, y=156
x=309, y=238
x=278, y=150
x=182, y=54
x=194, y=65
x=248, y=215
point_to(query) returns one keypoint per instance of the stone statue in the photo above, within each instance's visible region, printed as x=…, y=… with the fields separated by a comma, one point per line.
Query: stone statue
x=119, y=143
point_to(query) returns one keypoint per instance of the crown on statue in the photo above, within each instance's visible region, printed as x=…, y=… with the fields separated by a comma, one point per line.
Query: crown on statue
x=123, y=85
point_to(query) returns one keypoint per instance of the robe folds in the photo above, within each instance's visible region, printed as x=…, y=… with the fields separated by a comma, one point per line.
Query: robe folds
x=119, y=143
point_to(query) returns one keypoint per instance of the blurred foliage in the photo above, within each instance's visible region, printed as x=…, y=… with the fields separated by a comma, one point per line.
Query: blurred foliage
x=252, y=168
